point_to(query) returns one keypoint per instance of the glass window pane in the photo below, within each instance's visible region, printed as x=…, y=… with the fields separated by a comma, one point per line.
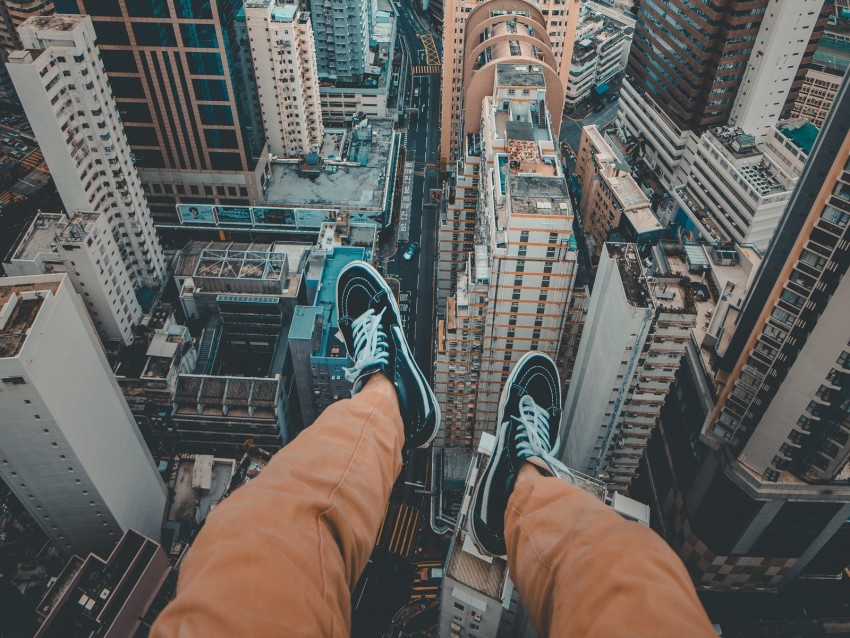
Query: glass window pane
x=120, y=61
x=193, y=9
x=66, y=6
x=102, y=7
x=154, y=34
x=111, y=33
x=127, y=87
x=215, y=114
x=147, y=8
x=199, y=36
x=205, y=64
x=134, y=112
x=218, y=138
x=210, y=90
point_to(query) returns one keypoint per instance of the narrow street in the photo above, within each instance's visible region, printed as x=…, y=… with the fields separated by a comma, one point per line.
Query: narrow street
x=387, y=584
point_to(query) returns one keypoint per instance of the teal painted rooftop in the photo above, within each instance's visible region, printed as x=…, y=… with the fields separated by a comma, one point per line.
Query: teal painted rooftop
x=803, y=135
x=303, y=321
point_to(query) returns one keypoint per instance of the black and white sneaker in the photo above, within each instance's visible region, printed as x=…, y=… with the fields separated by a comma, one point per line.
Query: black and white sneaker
x=370, y=323
x=529, y=418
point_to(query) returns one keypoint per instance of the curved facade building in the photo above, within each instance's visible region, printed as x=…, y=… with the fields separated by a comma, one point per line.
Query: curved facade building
x=479, y=36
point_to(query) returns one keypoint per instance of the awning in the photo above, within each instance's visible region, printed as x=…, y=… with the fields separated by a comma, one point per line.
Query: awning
x=602, y=88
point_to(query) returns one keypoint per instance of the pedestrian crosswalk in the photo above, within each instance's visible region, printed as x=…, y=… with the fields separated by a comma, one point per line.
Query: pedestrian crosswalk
x=10, y=197
x=427, y=69
x=34, y=160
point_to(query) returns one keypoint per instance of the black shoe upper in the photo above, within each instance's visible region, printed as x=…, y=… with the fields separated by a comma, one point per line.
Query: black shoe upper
x=534, y=374
x=360, y=288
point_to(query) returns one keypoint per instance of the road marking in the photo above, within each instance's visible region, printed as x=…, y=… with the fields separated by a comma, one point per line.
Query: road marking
x=427, y=69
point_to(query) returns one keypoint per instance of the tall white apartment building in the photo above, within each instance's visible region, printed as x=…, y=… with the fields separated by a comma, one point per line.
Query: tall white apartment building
x=284, y=55
x=515, y=285
x=69, y=447
x=736, y=190
x=633, y=342
x=62, y=84
x=600, y=53
x=478, y=35
x=82, y=246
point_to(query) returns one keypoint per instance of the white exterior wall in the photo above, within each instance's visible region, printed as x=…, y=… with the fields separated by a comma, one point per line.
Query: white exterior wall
x=284, y=55
x=829, y=337
x=67, y=99
x=782, y=39
x=113, y=307
x=666, y=146
x=610, y=333
x=73, y=454
x=731, y=202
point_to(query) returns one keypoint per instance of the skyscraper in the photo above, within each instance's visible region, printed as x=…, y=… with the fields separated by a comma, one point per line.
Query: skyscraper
x=515, y=283
x=752, y=486
x=633, y=342
x=63, y=88
x=479, y=35
x=70, y=450
x=185, y=90
x=696, y=64
x=783, y=405
x=490, y=35
x=341, y=28
x=284, y=55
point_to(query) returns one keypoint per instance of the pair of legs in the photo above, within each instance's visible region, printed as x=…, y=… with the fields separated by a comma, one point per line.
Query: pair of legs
x=282, y=554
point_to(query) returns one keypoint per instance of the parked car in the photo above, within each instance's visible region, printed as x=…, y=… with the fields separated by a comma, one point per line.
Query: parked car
x=613, y=97
x=599, y=107
x=411, y=251
x=416, y=92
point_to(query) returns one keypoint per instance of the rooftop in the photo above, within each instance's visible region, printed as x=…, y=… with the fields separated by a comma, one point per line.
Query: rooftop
x=253, y=397
x=357, y=181
x=19, y=306
x=59, y=22
x=626, y=190
x=802, y=132
x=49, y=228
x=91, y=595
x=199, y=483
x=532, y=195
x=631, y=273
x=520, y=75
x=280, y=263
x=643, y=220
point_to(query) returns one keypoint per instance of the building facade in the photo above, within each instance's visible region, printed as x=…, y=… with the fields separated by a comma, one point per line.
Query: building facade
x=70, y=452
x=138, y=579
x=600, y=53
x=284, y=54
x=515, y=284
x=182, y=78
x=342, y=32
x=633, y=342
x=751, y=469
x=735, y=189
x=83, y=246
x=479, y=35
x=679, y=83
x=611, y=201
x=823, y=77
x=318, y=356
x=63, y=87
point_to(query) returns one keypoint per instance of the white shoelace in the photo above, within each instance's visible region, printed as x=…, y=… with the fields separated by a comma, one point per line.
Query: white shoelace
x=532, y=436
x=370, y=344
